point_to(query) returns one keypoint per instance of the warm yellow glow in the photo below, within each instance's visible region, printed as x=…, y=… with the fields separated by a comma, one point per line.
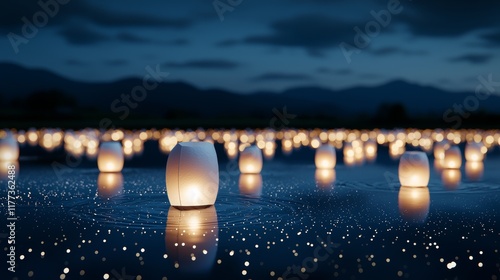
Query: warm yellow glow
x=414, y=169
x=250, y=185
x=109, y=184
x=325, y=178
x=110, y=157
x=474, y=170
x=451, y=178
x=9, y=148
x=192, y=175
x=325, y=157
x=440, y=148
x=473, y=152
x=191, y=238
x=250, y=160
x=414, y=203
x=452, y=158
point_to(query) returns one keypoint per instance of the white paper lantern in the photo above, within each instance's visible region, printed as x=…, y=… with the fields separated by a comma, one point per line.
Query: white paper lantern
x=370, y=149
x=9, y=148
x=192, y=175
x=414, y=203
x=251, y=160
x=414, y=169
x=250, y=185
x=452, y=158
x=192, y=233
x=109, y=184
x=325, y=157
x=325, y=178
x=451, y=178
x=474, y=170
x=110, y=157
x=440, y=148
x=473, y=152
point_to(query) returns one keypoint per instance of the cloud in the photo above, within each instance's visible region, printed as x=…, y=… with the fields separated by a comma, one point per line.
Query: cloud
x=315, y=33
x=326, y=70
x=492, y=38
x=219, y=64
x=11, y=17
x=449, y=18
x=472, y=58
x=274, y=76
x=394, y=50
x=80, y=35
x=116, y=62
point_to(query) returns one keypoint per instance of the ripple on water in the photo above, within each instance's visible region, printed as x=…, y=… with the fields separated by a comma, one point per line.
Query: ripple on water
x=149, y=211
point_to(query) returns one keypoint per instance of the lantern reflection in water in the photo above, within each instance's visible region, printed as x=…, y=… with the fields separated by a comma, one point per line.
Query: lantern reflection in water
x=414, y=203
x=474, y=170
x=451, y=178
x=250, y=185
x=109, y=184
x=191, y=238
x=325, y=178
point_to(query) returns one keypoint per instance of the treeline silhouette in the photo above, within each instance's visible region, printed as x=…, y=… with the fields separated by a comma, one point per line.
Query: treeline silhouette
x=54, y=108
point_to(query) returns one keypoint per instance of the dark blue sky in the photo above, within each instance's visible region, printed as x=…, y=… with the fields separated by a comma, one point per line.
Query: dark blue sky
x=259, y=44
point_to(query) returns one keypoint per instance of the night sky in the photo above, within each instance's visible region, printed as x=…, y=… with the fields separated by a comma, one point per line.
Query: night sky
x=249, y=45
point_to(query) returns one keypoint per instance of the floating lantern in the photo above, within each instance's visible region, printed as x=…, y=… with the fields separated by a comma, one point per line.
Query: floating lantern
x=110, y=157
x=414, y=169
x=192, y=175
x=109, y=184
x=325, y=157
x=440, y=148
x=370, y=148
x=325, y=178
x=474, y=170
x=191, y=238
x=451, y=178
x=250, y=185
x=251, y=160
x=9, y=148
x=473, y=152
x=452, y=158
x=414, y=203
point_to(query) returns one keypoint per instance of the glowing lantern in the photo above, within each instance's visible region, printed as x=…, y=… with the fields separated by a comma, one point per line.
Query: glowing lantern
x=440, y=148
x=250, y=185
x=474, y=170
x=110, y=157
x=251, y=160
x=9, y=148
x=325, y=178
x=109, y=184
x=452, y=158
x=414, y=203
x=325, y=157
x=451, y=178
x=370, y=148
x=191, y=238
x=473, y=152
x=192, y=175
x=414, y=169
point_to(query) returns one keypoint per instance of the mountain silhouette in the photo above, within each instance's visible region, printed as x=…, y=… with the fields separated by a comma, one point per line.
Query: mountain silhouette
x=182, y=99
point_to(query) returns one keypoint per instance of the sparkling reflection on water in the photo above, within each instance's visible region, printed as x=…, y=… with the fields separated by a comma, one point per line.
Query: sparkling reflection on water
x=291, y=221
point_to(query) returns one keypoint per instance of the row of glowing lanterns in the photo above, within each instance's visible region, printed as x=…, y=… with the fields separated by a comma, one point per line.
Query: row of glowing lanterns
x=192, y=181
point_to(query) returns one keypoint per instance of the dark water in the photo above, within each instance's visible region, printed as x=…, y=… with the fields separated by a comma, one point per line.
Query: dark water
x=291, y=222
